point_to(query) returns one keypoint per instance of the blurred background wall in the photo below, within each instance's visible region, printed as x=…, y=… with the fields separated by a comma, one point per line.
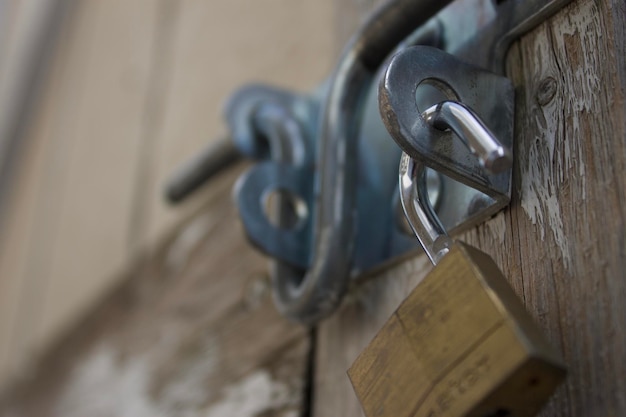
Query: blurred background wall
x=129, y=89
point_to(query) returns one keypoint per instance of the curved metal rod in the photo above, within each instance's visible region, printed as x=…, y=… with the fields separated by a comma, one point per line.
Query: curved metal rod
x=419, y=211
x=473, y=132
x=282, y=131
x=314, y=296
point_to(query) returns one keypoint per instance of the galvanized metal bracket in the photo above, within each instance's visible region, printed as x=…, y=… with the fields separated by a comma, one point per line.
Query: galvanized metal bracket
x=333, y=152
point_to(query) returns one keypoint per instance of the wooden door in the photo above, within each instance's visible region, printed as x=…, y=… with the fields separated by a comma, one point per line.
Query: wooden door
x=191, y=330
x=562, y=242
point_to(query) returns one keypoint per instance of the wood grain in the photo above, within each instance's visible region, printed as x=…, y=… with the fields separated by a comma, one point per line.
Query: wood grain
x=135, y=89
x=69, y=206
x=192, y=331
x=562, y=242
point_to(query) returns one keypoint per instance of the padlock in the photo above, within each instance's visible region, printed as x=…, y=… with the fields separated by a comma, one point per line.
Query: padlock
x=462, y=343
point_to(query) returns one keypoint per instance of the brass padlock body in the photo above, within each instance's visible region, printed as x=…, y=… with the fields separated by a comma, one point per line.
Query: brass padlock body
x=461, y=344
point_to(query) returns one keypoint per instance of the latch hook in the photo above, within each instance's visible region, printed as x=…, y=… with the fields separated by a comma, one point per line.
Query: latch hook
x=320, y=290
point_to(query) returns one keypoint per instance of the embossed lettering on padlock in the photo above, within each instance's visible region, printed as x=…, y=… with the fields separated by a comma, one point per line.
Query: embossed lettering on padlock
x=462, y=343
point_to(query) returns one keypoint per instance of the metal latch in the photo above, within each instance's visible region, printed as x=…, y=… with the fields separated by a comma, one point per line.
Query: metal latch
x=330, y=159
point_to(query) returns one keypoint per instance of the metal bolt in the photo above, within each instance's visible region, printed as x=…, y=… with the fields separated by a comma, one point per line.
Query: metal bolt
x=193, y=174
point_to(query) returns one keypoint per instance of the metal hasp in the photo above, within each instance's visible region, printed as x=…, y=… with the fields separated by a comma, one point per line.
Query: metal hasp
x=472, y=193
x=307, y=295
x=330, y=157
x=336, y=212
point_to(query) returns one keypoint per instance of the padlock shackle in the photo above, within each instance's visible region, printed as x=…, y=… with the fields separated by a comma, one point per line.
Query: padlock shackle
x=494, y=157
x=480, y=141
x=419, y=211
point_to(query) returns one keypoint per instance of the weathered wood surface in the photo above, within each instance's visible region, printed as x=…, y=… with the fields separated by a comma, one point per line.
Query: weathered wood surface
x=191, y=332
x=134, y=89
x=562, y=242
x=71, y=195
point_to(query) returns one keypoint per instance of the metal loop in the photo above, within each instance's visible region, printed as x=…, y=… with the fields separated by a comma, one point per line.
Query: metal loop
x=254, y=112
x=436, y=148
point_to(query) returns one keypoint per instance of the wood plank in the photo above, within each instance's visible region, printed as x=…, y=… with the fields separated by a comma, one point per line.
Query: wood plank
x=18, y=243
x=28, y=33
x=73, y=206
x=136, y=89
x=568, y=214
x=561, y=242
x=95, y=213
x=192, y=331
x=116, y=74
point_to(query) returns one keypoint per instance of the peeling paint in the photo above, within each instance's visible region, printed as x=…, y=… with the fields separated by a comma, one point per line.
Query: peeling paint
x=101, y=386
x=539, y=190
x=556, y=156
x=252, y=396
x=104, y=385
